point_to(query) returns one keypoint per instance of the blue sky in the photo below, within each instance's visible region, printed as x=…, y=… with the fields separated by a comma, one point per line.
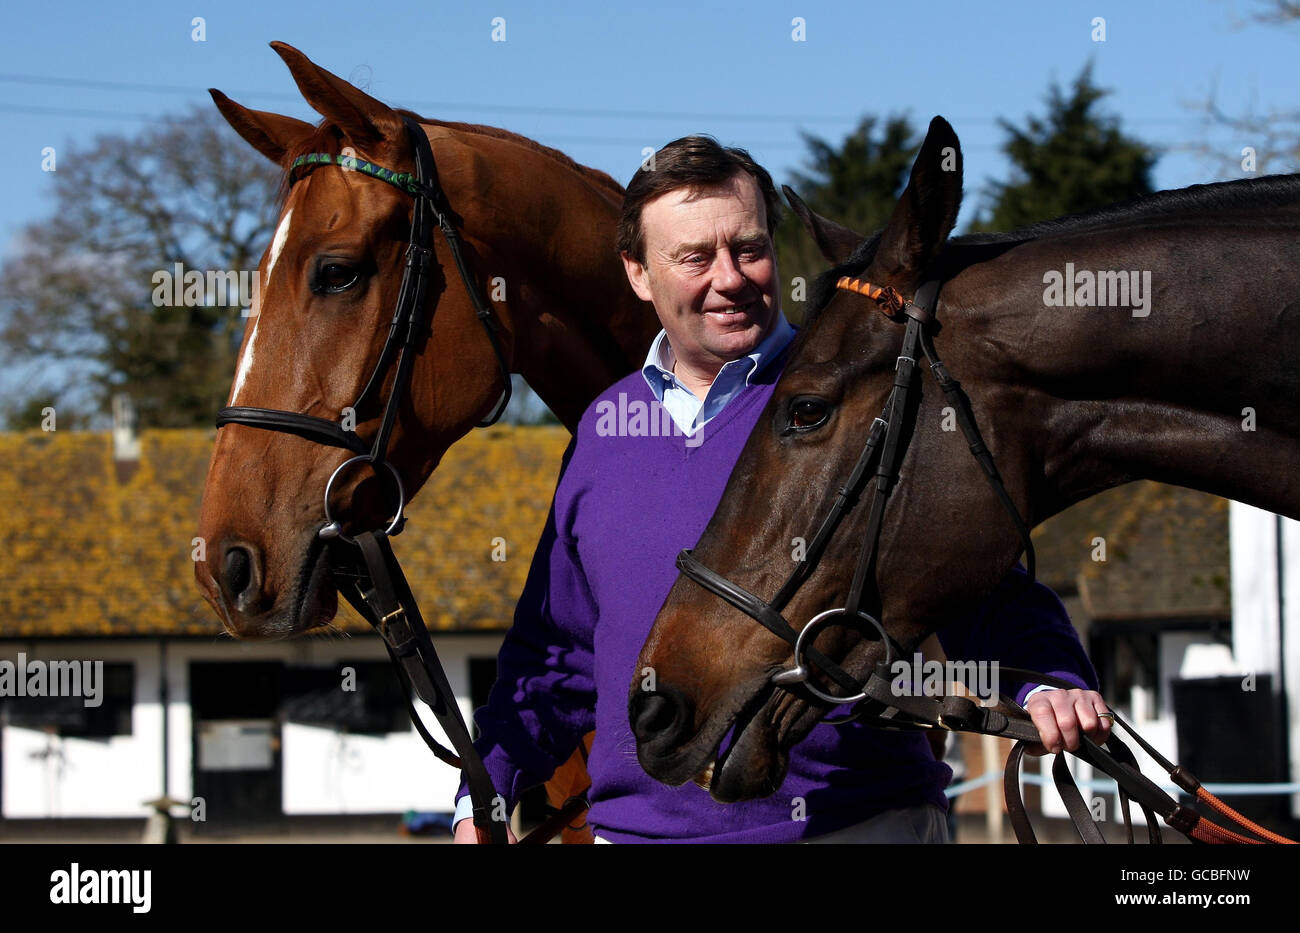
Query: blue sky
x=602, y=80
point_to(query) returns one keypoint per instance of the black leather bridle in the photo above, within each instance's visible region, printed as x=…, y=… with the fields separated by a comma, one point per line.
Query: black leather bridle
x=375, y=584
x=410, y=323
x=877, y=702
x=884, y=450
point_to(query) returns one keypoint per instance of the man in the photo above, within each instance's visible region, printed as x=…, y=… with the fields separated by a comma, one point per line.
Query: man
x=696, y=241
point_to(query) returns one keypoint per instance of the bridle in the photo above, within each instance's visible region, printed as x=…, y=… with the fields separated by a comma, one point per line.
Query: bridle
x=377, y=588
x=409, y=326
x=876, y=701
x=884, y=450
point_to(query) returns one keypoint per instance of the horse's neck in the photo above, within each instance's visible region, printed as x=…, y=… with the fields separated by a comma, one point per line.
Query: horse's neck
x=585, y=328
x=577, y=325
x=1202, y=391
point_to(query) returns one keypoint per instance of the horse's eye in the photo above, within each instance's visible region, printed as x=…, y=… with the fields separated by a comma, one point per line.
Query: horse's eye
x=335, y=277
x=806, y=413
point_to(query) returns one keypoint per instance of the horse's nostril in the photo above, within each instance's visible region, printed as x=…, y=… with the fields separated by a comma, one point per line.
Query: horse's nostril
x=238, y=571
x=657, y=714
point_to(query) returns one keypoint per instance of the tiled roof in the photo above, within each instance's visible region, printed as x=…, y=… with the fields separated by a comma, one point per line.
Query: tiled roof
x=1166, y=551
x=94, y=550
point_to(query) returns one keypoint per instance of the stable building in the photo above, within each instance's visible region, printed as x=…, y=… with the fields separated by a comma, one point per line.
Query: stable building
x=1176, y=594
x=246, y=735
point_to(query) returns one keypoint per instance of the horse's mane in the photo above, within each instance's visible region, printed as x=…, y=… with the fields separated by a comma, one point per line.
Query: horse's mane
x=327, y=136
x=1243, y=194
x=601, y=178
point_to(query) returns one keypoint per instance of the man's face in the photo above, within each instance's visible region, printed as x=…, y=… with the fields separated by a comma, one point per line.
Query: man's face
x=710, y=271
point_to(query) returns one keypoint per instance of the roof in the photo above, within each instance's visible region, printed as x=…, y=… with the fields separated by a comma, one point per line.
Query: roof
x=1166, y=553
x=93, y=550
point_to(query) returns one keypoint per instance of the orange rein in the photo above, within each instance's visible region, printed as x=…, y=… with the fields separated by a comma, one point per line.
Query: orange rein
x=1212, y=829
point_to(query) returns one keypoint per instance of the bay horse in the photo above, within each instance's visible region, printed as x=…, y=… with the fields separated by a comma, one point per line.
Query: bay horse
x=537, y=233
x=1191, y=379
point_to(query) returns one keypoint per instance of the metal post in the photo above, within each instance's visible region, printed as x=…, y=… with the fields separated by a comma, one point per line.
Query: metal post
x=992, y=799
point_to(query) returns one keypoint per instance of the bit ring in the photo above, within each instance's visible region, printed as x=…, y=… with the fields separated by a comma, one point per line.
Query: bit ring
x=333, y=529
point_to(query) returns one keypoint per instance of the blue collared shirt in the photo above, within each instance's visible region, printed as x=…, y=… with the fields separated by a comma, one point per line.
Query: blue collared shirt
x=684, y=406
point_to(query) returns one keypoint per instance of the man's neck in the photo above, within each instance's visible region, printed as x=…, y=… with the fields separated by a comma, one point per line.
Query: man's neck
x=697, y=380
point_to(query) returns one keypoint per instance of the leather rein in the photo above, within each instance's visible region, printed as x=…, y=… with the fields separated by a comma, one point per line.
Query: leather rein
x=371, y=579
x=875, y=700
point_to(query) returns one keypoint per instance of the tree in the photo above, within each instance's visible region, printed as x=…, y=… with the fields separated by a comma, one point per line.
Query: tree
x=85, y=298
x=1253, y=143
x=1072, y=160
x=856, y=184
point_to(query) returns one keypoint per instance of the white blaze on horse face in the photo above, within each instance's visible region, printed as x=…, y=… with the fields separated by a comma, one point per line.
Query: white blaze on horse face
x=277, y=244
x=246, y=360
x=245, y=364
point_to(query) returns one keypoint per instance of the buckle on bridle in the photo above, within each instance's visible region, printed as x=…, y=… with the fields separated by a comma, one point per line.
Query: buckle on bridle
x=417, y=257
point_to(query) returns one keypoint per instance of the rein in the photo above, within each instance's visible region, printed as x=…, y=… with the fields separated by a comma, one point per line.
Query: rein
x=376, y=585
x=875, y=700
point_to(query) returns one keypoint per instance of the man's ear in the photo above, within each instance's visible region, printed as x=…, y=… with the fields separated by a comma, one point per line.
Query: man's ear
x=835, y=241
x=637, y=276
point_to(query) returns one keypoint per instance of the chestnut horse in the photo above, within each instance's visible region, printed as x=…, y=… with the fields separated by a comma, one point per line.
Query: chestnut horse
x=537, y=231
x=1190, y=376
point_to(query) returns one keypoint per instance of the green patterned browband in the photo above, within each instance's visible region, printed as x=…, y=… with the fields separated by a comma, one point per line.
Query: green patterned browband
x=403, y=180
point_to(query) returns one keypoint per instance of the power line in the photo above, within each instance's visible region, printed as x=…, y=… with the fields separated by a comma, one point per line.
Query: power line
x=134, y=87
x=639, y=142
x=461, y=106
x=78, y=112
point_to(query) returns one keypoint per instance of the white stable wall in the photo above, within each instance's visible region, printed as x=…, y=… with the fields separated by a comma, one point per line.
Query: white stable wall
x=324, y=772
x=1255, y=617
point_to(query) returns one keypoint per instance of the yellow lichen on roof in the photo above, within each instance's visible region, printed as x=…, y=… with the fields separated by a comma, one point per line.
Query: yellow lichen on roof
x=1141, y=550
x=91, y=555
x=488, y=499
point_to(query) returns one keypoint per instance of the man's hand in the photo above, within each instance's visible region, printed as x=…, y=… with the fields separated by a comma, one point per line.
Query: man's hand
x=1061, y=715
x=464, y=833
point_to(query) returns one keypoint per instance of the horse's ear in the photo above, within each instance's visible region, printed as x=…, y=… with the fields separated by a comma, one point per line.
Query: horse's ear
x=366, y=121
x=271, y=134
x=925, y=214
x=836, y=242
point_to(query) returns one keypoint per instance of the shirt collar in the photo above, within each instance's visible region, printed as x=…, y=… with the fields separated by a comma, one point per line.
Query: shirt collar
x=659, y=362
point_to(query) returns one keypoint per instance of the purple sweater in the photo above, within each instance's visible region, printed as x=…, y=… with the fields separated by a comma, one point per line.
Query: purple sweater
x=623, y=509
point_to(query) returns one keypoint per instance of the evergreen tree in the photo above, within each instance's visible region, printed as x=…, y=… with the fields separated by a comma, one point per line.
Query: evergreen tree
x=1074, y=159
x=856, y=184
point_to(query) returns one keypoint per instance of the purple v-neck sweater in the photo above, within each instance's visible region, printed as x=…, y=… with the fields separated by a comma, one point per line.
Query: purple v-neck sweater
x=624, y=507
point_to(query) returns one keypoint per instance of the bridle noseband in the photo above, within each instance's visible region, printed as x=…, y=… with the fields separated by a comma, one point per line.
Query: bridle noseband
x=376, y=586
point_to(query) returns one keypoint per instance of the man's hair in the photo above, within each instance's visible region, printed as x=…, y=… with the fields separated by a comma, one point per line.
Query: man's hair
x=694, y=162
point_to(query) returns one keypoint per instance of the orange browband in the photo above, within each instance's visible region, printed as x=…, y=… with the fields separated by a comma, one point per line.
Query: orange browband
x=890, y=301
